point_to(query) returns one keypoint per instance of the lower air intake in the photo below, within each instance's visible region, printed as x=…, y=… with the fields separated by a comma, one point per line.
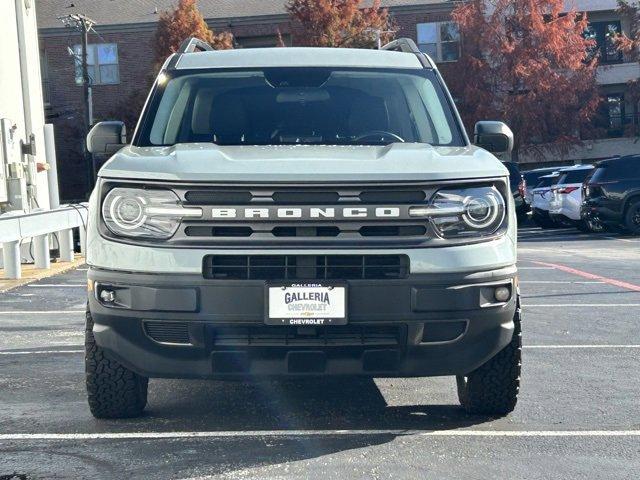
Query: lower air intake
x=305, y=267
x=168, y=332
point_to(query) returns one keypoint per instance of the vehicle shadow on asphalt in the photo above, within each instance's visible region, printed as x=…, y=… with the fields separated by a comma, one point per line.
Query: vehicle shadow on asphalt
x=347, y=404
x=292, y=404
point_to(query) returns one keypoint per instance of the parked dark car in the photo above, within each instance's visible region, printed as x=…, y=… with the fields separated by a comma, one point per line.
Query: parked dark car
x=518, y=186
x=612, y=194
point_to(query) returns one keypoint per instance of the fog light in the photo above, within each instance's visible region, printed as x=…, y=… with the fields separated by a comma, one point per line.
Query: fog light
x=502, y=294
x=108, y=296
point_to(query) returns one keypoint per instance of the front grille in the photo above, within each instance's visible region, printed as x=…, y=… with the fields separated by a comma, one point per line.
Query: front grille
x=304, y=196
x=337, y=335
x=307, y=231
x=305, y=267
x=318, y=216
x=168, y=332
x=265, y=227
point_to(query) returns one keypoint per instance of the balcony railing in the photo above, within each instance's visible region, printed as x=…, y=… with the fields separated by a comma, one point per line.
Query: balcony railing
x=613, y=126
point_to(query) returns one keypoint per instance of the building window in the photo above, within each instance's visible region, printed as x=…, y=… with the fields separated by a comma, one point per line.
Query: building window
x=102, y=61
x=264, y=41
x=611, y=119
x=439, y=40
x=614, y=105
x=605, y=33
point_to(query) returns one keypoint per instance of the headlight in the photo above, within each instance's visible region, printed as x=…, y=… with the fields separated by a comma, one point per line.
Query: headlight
x=136, y=212
x=464, y=212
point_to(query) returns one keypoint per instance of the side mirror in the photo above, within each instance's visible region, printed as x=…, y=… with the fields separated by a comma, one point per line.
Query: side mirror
x=107, y=137
x=496, y=137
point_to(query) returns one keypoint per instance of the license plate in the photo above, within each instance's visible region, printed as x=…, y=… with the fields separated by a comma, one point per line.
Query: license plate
x=306, y=304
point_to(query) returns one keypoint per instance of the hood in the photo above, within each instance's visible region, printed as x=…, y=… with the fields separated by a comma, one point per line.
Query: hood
x=198, y=162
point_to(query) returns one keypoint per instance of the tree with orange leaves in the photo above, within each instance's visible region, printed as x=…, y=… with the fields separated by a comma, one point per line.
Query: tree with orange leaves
x=183, y=22
x=526, y=62
x=173, y=28
x=338, y=23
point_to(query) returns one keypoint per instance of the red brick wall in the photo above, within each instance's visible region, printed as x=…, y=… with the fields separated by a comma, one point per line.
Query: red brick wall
x=66, y=112
x=135, y=54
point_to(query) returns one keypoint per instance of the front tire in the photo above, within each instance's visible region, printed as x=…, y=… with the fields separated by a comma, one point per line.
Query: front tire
x=632, y=218
x=113, y=390
x=492, y=389
x=590, y=225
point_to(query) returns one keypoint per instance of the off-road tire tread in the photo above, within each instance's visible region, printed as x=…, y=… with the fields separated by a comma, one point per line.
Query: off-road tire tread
x=628, y=225
x=492, y=389
x=113, y=390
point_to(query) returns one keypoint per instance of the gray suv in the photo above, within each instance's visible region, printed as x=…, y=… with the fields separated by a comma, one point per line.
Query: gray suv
x=301, y=212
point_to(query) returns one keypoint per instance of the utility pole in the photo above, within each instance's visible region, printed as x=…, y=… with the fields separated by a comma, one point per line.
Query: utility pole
x=377, y=35
x=84, y=24
x=86, y=85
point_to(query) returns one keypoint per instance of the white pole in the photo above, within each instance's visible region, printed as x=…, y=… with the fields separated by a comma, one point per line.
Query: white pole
x=52, y=175
x=41, y=251
x=65, y=237
x=11, y=259
x=83, y=240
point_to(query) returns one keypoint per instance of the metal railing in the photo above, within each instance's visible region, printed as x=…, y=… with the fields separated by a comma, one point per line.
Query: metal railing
x=15, y=227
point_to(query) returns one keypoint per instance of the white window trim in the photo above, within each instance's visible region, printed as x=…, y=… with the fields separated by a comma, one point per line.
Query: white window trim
x=439, y=42
x=96, y=65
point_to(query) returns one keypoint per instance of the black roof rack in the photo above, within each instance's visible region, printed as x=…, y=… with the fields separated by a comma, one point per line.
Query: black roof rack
x=407, y=45
x=193, y=44
x=402, y=45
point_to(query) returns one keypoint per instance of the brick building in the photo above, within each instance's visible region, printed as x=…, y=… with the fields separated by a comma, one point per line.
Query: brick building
x=120, y=54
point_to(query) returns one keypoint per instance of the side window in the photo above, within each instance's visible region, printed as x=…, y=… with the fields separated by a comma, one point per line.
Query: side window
x=604, y=34
x=625, y=169
x=599, y=175
x=439, y=40
x=102, y=61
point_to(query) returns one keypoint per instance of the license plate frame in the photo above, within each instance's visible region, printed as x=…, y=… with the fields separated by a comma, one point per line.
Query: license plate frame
x=336, y=291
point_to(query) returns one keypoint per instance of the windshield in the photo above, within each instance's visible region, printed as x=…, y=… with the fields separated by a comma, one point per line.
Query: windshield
x=547, y=182
x=533, y=177
x=287, y=106
x=574, y=176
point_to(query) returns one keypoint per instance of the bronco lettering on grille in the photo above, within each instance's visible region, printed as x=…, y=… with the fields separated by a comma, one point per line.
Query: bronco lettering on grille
x=304, y=213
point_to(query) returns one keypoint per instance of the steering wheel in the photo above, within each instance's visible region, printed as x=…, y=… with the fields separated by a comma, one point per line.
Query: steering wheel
x=379, y=134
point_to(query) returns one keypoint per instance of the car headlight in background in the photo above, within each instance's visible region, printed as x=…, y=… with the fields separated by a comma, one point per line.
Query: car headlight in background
x=136, y=212
x=464, y=212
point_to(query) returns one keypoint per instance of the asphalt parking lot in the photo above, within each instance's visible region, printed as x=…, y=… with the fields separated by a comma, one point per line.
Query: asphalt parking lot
x=578, y=414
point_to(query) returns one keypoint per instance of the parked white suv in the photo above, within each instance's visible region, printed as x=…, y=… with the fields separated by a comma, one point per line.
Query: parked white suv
x=566, y=196
x=301, y=212
x=540, y=198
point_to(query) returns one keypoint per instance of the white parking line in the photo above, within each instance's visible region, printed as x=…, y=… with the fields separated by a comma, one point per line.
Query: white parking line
x=39, y=312
x=579, y=346
x=319, y=433
x=38, y=352
x=58, y=285
x=559, y=282
x=627, y=240
x=569, y=305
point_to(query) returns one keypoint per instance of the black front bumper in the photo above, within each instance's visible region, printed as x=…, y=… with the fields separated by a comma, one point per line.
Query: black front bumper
x=185, y=326
x=602, y=212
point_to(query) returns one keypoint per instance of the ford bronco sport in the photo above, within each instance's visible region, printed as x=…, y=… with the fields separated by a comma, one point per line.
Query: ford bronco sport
x=300, y=212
